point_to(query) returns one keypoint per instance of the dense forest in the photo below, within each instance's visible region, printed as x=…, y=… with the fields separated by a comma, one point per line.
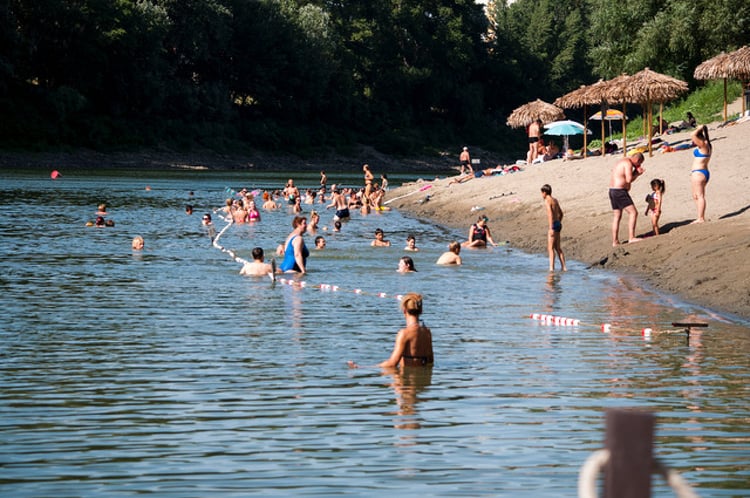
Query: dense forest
x=297, y=75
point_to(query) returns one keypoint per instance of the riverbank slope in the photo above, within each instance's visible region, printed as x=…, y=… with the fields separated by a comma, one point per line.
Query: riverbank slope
x=706, y=263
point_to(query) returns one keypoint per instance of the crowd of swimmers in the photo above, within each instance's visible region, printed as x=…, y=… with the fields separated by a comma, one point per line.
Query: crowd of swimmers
x=101, y=220
x=413, y=343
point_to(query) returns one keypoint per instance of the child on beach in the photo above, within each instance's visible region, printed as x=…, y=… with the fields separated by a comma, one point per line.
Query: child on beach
x=654, y=202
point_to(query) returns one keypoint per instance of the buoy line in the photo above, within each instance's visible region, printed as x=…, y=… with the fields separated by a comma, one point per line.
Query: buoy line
x=295, y=283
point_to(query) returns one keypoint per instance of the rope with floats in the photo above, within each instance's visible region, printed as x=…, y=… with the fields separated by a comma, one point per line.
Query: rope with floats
x=646, y=332
x=300, y=284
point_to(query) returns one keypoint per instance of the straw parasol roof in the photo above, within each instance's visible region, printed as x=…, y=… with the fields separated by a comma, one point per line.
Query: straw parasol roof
x=645, y=87
x=739, y=63
x=585, y=95
x=532, y=111
x=651, y=87
x=732, y=65
x=715, y=68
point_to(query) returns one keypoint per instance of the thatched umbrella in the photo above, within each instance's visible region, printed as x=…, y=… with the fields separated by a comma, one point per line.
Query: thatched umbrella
x=717, y=67
x=656, y=88
x=528, y=113
x=739, y=64
x=616, y=91
x=584, y=96
x=646, y=87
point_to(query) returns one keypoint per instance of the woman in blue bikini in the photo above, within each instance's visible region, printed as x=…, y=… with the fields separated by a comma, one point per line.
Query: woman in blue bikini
x=699, y=174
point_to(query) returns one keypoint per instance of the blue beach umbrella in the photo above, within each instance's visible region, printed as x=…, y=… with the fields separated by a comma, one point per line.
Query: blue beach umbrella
x=565, y=129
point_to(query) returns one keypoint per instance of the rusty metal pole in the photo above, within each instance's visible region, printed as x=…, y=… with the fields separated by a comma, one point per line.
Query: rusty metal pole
x=629, y=439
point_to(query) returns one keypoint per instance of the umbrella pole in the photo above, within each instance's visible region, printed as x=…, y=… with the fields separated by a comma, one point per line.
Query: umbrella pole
x=725, y=100
x=624, y=130
x=651, y=129
x=602, y=134
x=585, y=129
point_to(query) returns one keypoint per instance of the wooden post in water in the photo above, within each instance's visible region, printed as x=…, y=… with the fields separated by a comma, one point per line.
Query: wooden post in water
x=629, y=439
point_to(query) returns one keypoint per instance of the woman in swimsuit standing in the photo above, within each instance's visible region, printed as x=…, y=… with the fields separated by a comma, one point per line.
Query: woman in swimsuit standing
x=699, y=174
x=368, y=184
x=413, y=342
x=295, y=251
x=252, y=211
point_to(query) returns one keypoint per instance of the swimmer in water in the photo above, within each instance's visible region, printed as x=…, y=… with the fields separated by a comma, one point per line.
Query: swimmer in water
x=258, y=268
x=379, y=240
x=411, y=244
x=406, y=265
x=413, y=345
x=138, y=243
x=479, y=234
x=451, y=256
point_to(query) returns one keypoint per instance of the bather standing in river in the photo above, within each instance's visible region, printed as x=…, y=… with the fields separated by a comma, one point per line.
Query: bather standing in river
x=295, y=251
x=413, y=345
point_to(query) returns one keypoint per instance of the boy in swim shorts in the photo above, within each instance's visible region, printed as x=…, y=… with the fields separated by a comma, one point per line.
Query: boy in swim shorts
x=554, y=219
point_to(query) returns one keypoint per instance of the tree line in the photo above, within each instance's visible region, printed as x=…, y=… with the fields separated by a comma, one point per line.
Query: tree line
x=295, y=75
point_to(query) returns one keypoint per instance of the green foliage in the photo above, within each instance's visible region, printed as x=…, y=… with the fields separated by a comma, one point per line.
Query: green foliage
x=403, y=75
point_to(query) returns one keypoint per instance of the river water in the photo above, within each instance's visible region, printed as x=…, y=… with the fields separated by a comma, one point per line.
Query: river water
x=165, y=372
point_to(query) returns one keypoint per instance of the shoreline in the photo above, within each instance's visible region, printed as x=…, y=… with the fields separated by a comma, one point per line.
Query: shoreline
x=706, y=264
x=165, y=160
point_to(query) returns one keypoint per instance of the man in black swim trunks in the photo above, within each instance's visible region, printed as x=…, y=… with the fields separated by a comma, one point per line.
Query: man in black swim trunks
x=624, y=173
x=535, y=132
x=338, y=201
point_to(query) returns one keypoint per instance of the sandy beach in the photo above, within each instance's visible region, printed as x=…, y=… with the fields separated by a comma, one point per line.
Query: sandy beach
x=708, y=263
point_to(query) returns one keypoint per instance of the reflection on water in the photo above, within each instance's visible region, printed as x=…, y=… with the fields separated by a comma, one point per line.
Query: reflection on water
x=408, y=383
x=164, y=371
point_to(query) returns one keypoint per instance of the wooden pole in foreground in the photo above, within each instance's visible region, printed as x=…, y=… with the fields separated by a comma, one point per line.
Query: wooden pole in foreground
x=629, y=439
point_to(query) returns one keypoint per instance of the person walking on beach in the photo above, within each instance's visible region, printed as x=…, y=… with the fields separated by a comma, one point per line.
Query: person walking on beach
x=699, y=174
x=534, y=132
x=654, y=202
x=465, y=159
x=625, y=172
x=554, y=221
